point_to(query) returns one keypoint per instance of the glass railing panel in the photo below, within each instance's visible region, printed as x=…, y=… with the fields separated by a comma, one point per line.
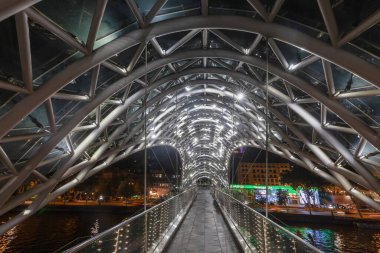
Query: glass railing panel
x=259, y=233
x=143, y=232
x=128, y=237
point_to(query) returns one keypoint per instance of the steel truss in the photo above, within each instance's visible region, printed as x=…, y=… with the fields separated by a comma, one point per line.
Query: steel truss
x=195, y=99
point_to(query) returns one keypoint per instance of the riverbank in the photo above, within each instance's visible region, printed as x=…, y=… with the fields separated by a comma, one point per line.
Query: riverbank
x=64, y=227
x=92, y=206
x=96, y=209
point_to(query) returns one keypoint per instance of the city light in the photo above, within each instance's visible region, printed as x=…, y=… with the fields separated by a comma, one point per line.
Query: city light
x=240, y=96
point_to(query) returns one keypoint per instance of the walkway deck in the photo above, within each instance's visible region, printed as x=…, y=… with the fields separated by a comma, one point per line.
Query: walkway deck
x=203, y=230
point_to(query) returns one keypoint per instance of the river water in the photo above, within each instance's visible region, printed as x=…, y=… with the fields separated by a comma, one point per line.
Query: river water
x=339, y=238
x=48, y=231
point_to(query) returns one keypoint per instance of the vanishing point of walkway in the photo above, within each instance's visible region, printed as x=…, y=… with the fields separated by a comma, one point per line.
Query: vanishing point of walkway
x=203, y=230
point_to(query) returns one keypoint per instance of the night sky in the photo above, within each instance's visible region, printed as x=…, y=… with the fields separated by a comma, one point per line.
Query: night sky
x=252, y=154
x=163, y=157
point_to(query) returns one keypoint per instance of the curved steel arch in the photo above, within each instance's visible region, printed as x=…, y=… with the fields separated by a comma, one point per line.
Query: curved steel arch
x=335, y=55
x=98, y=101
x=351, y=189
x=352, y=63
x=299, y=110
x=317, y=150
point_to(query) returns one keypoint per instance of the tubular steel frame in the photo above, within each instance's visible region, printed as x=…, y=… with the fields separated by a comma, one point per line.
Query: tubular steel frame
x=200, y=107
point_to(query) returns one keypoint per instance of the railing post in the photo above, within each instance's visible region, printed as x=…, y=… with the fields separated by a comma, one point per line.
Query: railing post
x=257, y=233
x=145, y=232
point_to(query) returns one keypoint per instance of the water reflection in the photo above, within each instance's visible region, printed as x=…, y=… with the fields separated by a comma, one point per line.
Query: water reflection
x=70, y=225
x=94, y=230
x=336, y=239
x=7, y=238
x=48, y=231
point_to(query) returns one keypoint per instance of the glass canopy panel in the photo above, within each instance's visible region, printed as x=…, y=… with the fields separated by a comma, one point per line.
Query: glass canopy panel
x=65, y=109
x=74, y=16
x=350, y=141
x=123, y=59
x=349, y=14
x=78, y=137
x=36, y=121
x=292, y=54
x=117, y=17
x=178, y=5
x=279, y=85
x=169, y=40
x=345, y=81
x=106, y=78
x=315, y=32
x=175, y=9
x=214, y=42
x=144, y=6
x=283, y=110
x=10, y=68
x=370, y=41
x=135, y=88
x=333, y=119
x=80, y=85
x=372, y=108
x=371, y=153
x=21, y=151
x=59, y=150
x=118, y=20
x=314, y=77
x=365, y=50
x=48, y=169
x=304, y=12
x=106, y=109
x=243, y=39
x=8, y=100
x=223, y=7
x=47, y=50
x=57, y=67
x=313, y=108
x=367, y=109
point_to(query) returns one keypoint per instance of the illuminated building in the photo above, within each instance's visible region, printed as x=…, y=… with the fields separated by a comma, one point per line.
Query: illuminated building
x=158, y=184
x=254, y=173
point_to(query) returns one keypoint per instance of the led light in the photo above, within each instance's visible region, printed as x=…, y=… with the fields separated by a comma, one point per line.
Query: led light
x=240, y=96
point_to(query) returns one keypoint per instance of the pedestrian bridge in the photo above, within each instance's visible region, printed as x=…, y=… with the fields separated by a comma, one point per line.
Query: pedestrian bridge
x=197, y=220
x=84, y=84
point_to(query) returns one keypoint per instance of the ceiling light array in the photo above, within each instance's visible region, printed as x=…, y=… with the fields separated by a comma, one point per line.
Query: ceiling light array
x=204, y=130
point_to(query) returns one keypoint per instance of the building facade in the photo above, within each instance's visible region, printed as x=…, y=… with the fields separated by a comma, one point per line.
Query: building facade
x=254, y=173
x=158, y=184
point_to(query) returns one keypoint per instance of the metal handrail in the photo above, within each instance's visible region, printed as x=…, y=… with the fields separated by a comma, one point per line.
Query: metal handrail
x=230, y=192
x=70, y=243
x=110, y=230
x=299, y=239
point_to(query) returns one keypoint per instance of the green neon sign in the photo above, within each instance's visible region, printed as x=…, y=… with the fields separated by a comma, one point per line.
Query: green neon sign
x=289, y=189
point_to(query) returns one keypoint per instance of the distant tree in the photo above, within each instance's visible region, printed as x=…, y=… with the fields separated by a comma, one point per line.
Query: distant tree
x=282, y=197
x=261, y=200
x=302, y=178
